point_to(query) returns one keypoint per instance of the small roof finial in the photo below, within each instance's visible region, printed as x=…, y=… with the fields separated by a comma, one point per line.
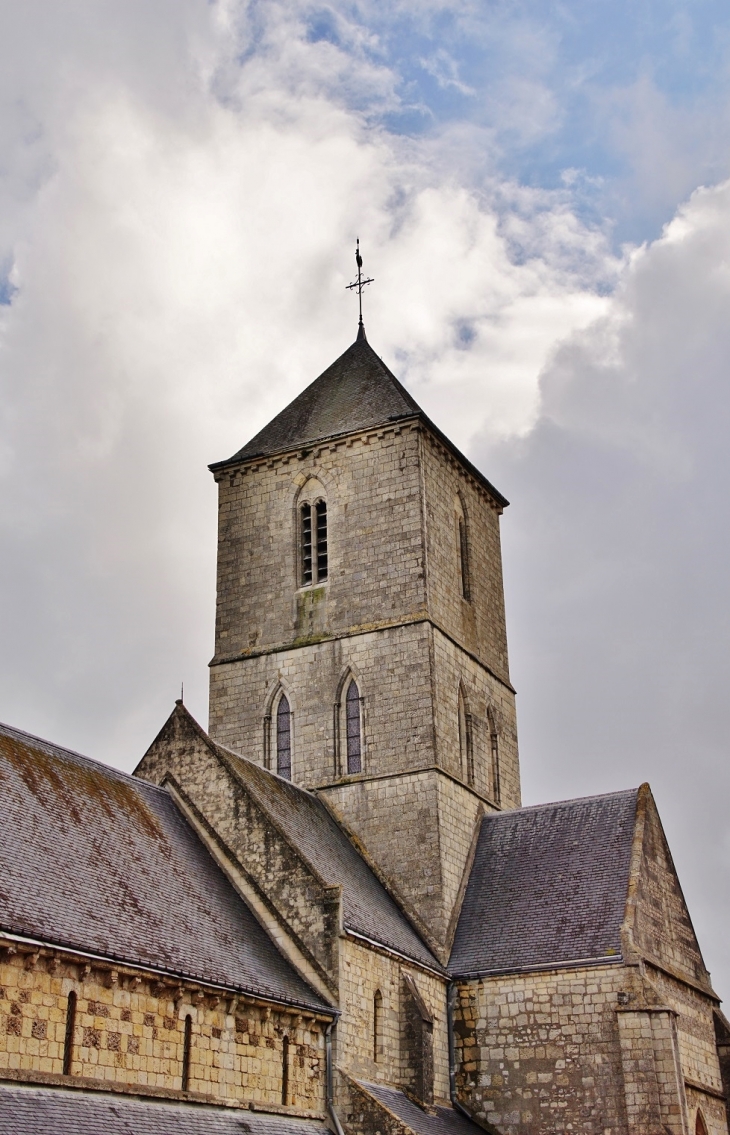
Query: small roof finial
x=359, y=283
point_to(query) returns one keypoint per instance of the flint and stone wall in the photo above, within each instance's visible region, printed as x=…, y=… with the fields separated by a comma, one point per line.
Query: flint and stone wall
x=128, y=1033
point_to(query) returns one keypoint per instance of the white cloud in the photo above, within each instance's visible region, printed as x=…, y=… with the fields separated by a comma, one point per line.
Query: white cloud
x=618, y=557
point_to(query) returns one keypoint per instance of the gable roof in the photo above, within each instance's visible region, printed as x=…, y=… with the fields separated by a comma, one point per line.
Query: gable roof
x=94, y=860
x=47, y=1111
x=357, y=392
x=548, y=886
x=310, y=827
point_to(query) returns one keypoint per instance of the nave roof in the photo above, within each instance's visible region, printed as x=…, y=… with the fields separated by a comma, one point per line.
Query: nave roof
x=101, y=862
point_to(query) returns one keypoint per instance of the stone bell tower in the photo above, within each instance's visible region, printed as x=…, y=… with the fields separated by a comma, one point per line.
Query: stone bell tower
x=360, y=635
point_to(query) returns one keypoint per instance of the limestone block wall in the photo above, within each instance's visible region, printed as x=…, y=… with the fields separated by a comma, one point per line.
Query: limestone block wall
x=127, y=1031
x=540, y=1053
x=393, y=671
x=418, y=829
x=697, y=1048
x=490, y=704
x=371, y=484
x=363, y=972
x=479, y=623
x=585, y=1049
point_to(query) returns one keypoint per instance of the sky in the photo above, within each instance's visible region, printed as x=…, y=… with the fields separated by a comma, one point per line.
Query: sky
x=542, y=193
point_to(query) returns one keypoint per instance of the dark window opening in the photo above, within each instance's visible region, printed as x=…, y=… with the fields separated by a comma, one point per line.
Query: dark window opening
x=377, y=1026
x=306, y=544
x=283, y=738
x=68, y=1044
x=187, y=1042
x=466, y=748
x=285, y=1070
x=464, y=559
x=321, y=510
x=352, y=716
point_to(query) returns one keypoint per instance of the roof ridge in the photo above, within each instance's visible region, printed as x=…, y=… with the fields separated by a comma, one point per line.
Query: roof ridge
x=561, y=803
x=61, y=751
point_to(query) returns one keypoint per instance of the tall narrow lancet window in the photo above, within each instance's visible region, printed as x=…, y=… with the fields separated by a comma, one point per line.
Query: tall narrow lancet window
x=463, y=557
x=378, y=1026
x=306, y=538
x=466, y=758
x=321, y=511
x=283, y=738
x=700, y=1125
x=354, y=738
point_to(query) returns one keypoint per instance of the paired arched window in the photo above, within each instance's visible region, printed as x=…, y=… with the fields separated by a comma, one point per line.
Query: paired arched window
x=283, y=738
x=353, y=728
x=377, y=1026
x=313, y=542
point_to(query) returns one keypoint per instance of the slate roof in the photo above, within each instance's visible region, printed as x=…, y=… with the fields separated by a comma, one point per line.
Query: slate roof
x=548, y=886
x=357, y=392
x=99, y=861
x=48, y=1111
x=446, y=1121
x=306, y=821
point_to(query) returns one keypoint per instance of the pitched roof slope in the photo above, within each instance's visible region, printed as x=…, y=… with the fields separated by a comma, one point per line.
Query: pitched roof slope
x=548, y=886
x=445, y=1121
x=308, y=824
x=99, y=861
x=48, y=1111
x=356, y=392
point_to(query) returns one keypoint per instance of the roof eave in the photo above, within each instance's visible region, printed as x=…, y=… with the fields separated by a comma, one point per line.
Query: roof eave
x=419, y=416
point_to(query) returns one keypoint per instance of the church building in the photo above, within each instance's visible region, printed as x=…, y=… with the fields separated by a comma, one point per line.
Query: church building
x=330, y=912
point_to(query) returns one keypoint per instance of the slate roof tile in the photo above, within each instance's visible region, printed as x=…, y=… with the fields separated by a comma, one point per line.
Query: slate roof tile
x=357, y=392
x=548, y=886
x=48, y=1111
x=105, y=863
x=306, y=821
x=446, y=1121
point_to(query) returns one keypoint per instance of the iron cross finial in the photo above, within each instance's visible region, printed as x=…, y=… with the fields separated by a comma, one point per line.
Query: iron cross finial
x=359, y=283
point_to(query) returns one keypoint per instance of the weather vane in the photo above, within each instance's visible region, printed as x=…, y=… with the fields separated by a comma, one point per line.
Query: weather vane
x=359, y=283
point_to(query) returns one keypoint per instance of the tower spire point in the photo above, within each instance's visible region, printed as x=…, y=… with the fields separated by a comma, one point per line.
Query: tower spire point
x=359, y=284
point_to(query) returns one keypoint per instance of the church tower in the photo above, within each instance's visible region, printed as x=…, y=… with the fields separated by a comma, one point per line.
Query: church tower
x=361, y=648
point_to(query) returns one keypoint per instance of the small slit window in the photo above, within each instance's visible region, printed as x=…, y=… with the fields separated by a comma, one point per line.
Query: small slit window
x=352, y=718
x=283, y=738
x=378, y=1026
x=285, y=1071
x=462, y=549
x=187, y=1044
x=68, y=1043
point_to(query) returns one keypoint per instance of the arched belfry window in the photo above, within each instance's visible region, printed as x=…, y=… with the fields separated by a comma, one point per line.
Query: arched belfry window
x=462, y=549
x=354, y=728
x=700, y=1125
x=313, y=546
x=283, y=738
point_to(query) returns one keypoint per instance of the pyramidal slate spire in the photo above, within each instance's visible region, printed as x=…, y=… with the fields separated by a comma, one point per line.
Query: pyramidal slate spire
x=357, y=392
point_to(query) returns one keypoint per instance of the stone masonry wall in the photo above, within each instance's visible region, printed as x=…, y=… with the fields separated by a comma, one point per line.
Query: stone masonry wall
x=418, y=829
x=479, y=623
x=484, y=695
x=363, y=972
x=393, y=672
x=539, y=1053
x=129, y=1032
x=372, y=488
